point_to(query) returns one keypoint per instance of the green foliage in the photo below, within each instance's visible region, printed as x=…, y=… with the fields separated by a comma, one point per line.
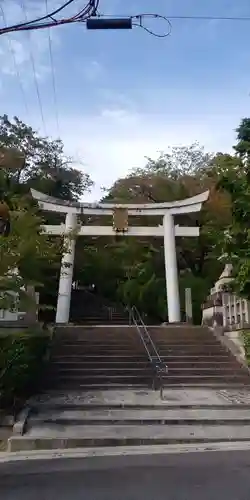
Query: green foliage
x=25, y=254
x=22, y=361
x=30, y=161
x=235, y=241
x=246, y=340
x=180, y=173
x=45, y=166
x=243, y=145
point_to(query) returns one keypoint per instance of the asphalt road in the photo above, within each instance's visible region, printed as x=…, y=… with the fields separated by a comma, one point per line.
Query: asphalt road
x=196, y=476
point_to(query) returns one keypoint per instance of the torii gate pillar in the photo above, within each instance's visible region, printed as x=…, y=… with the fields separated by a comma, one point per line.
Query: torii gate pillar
x=171, y=270
x=66, y=273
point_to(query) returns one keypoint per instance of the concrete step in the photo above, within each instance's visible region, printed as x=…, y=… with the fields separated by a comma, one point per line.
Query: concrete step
x=104, y=338
x=132, y=350
x=110, y=386
x=200, y=381
x=192, y=351
x=200, y=370
x=189, y=345
x=128, y=338
x=81, y=378
x=63, y=363
x=119, y=331
x=92, y=345
x=62, y=351
x=81, y=368
x=180, y=359
x=67, y=364
x=56, y=437
x=167, y=334
x=119, y=416
x=76, y=371
x=98, y=358
x=94, y=330
x=104, y=386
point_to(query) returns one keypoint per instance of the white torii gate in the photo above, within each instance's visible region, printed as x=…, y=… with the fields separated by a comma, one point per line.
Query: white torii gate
x=168, y=231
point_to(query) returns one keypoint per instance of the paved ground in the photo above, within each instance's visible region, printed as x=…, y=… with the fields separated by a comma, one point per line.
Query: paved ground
x=206, y=476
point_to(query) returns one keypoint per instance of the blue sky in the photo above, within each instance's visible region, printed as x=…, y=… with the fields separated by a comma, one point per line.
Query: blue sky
x=122, y=96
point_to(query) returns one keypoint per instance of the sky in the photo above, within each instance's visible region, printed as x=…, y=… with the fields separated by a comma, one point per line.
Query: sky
x=122, y=96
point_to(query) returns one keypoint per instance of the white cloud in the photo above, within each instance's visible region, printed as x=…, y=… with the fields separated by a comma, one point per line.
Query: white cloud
x=111, y=144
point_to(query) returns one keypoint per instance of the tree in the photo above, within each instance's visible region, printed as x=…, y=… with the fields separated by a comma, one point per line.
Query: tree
x=242, y=148
x=30, y=161
x=27, y=160
x=24, y=255
x=180, y=173
x=235, y=241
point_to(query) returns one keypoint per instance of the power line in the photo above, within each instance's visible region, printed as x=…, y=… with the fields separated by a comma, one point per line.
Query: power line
x=49, y=19
x=13, y=55
x=32, y=60
x=91, y=13
x=53, y=74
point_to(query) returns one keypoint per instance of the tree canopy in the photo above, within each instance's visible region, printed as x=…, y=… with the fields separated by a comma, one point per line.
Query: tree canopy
x=25, y=255
x=28, y=160
x=235, y=241
x=28, y=256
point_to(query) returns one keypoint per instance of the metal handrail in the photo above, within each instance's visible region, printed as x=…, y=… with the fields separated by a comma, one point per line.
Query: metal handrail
x=135, y=313
x=157, y=363
x=141, y=336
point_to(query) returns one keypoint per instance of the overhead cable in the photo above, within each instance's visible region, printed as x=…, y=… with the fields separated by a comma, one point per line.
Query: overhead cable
x=90, y=11
x=53, y=75
x=32, y=60
x=49, y=20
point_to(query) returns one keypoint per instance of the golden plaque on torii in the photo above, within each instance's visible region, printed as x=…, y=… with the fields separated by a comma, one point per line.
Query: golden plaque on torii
x=120, y=220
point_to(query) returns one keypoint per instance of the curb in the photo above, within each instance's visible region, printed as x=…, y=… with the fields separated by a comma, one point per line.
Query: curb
x=13, y=457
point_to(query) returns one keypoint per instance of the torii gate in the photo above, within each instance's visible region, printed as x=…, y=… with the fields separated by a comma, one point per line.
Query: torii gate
x=120, y=212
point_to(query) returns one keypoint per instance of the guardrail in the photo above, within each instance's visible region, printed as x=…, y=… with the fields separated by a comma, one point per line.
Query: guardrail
x=158, y=365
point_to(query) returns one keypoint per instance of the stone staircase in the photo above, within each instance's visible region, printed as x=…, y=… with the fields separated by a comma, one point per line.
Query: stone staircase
x=99, y=393
x=127, y=422
x=85, y=358
x=196, y=357
x=96, y=311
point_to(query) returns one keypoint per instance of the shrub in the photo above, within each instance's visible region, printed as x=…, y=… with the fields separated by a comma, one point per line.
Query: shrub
x=22, y=363
x=246, y=338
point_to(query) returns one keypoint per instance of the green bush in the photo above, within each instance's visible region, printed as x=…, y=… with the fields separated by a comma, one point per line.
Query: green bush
x=22, y=363
x=246, y=338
